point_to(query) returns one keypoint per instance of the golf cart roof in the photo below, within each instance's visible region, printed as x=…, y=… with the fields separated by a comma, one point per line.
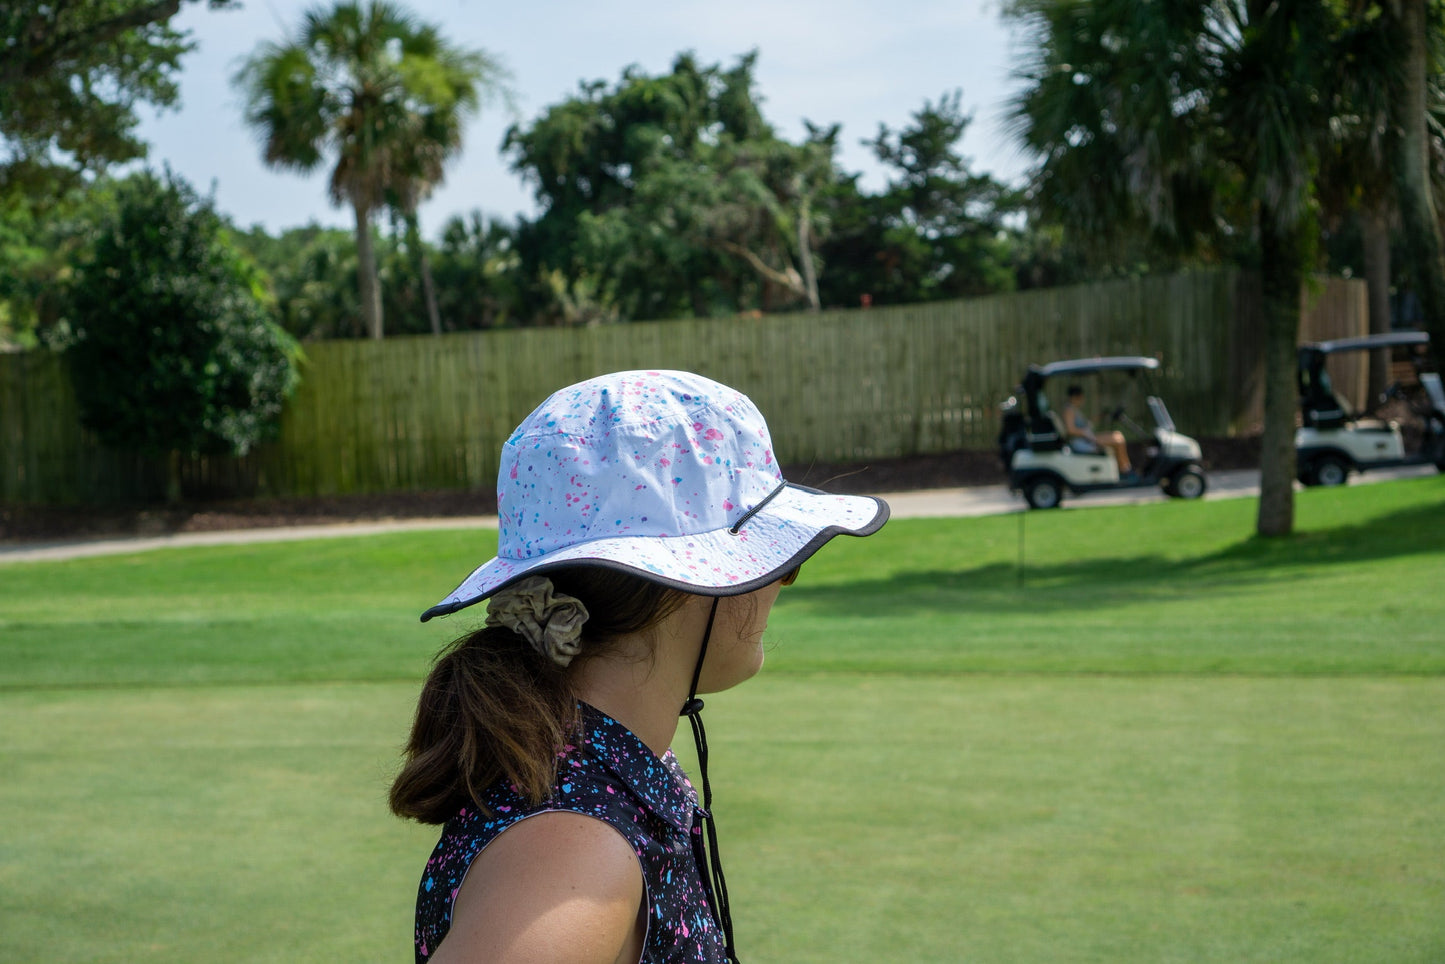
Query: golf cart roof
x=1366, y=342
x=1084, y=366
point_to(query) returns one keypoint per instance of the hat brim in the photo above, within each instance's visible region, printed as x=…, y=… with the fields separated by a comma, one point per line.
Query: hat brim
x=776, y=539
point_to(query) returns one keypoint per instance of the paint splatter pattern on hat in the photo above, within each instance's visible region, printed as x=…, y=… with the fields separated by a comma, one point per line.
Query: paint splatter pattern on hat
x=694, y=462
x=651, y=471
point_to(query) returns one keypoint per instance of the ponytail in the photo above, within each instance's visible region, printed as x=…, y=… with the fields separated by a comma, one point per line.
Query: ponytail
x=493, y=709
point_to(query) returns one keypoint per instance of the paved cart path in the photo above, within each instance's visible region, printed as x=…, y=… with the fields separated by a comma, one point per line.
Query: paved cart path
x=923, y=503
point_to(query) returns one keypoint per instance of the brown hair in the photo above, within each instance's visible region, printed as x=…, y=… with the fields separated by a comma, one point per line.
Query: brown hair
x=493, y=708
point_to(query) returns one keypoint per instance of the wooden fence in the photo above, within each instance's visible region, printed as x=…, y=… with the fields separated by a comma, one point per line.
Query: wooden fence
x=423, y=412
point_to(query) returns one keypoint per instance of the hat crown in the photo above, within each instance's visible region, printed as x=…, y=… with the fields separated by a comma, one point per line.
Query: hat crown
x=635, y=454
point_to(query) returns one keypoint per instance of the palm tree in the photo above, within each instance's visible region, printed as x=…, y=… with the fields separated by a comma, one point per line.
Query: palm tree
x=432, y=135
x=1174, y=119
x=1416, y=29
x=383, y=95
x=1355, y=178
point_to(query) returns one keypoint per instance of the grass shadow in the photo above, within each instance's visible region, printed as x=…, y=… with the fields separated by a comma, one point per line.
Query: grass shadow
x=1415, y=530
x=1102, y=581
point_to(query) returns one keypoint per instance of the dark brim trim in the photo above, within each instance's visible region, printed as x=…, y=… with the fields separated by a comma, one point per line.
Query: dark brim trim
x=737, y=589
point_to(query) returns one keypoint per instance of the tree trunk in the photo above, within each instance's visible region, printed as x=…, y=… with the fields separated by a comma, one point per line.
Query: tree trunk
x=1281, y=270
x=805, y=253
x=429, y=292
x=366, y=271
x=788, y=279
x=1412, y=174
x=1375, y=223
x=433, y=313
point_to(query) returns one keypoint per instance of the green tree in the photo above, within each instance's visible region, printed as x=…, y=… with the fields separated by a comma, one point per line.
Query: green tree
x=311, y=275
x=1174, y=120
x=174, y=351
x=1356, y=178
x=1415, y=29
x=431, y=137
x=764, y=207
x=71, y=77
x=39, y=244
x=670, y=196
x=477, y=273
x=381, y=94
x=936, y=231
x=1381, y=173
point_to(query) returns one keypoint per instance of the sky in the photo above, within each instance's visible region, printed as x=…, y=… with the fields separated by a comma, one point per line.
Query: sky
x=855, y=62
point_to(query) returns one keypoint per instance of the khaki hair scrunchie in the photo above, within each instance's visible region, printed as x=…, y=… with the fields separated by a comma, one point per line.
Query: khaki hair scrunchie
x=550, y=621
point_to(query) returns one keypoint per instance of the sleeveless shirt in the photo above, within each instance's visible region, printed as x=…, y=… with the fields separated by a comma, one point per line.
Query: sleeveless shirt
x=610, y=774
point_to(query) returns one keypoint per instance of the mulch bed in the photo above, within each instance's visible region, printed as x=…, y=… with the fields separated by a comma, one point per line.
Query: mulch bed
x=950, y=470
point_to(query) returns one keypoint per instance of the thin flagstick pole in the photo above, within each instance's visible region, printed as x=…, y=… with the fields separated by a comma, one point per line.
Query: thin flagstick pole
x=1022, y=516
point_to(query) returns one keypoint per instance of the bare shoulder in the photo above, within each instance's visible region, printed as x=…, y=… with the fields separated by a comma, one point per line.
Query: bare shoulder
x=559, y=887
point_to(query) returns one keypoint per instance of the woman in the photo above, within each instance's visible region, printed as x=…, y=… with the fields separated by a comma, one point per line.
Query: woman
x=1083, y=438
x=645, y=532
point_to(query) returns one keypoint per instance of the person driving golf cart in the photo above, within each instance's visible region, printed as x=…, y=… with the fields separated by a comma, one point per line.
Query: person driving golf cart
x=1084, y=439
x=1050, y=453
x=1337, y=437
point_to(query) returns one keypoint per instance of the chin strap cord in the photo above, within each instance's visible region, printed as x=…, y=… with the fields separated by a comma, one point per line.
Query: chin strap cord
x=709, y=862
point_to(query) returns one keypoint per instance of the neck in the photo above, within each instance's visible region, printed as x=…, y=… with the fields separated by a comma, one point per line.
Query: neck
x=644, y=680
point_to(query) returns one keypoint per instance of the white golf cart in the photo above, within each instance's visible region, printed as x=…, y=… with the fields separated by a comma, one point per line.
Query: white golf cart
x=1043, y=465
x=1334, y=440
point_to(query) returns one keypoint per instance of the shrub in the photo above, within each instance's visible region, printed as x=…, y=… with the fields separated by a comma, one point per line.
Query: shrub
x=175, y=352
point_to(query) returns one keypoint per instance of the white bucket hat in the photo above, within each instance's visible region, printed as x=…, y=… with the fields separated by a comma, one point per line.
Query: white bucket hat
x=665, y=474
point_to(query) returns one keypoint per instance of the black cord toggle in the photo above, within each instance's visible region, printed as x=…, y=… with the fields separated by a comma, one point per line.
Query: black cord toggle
x=692, y=706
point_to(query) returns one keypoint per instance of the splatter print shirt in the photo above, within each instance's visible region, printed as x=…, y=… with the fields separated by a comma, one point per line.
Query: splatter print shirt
x=609, y=774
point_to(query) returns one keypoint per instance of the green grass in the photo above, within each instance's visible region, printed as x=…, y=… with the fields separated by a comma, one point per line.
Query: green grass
x=1159, y=741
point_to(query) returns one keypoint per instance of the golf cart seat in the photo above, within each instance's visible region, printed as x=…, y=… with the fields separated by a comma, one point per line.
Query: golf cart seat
x=1046, y=429
x=1361, y=421
x=1324, y=411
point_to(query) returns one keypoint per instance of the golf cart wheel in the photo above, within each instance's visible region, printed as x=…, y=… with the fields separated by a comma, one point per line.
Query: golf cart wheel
x=1187, y=483
x=1043, y=493
x=1330, y=470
